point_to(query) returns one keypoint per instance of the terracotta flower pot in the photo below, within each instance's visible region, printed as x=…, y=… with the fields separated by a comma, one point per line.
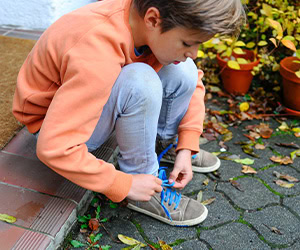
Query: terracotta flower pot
x=237, y=81
x=290, y=83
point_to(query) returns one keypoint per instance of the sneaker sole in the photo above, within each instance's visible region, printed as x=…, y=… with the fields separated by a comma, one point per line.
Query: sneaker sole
x=199, y=169
x=186, y=223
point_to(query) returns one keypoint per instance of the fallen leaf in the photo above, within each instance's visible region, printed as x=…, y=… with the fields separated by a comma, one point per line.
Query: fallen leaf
x=282, y=160
x=244, y=106
x=199, y=196
x=205, y=182
x=297, y=134
x=249, y=150
x=227, y=137
x=93, y=224
x=284, y=184
x=254, y=134
x=129, y=241
x=208, y=201
x=274, y=229
x=249, y=137
x=285, y=177
x=236, y=185
x=220, y=129
x=7, y=218
x=223, y=146
x=296, y=130
x=260, y=146
x=284, y=127
x=288, y=145
x=265, y=132
x=164, y=245
x=245, y=161
x=248, y=170
x=294, y=154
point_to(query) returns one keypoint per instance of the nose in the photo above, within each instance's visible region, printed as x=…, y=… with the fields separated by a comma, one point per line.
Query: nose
x=192, y=52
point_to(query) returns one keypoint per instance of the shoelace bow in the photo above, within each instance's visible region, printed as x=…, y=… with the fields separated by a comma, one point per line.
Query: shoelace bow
x=168, y=195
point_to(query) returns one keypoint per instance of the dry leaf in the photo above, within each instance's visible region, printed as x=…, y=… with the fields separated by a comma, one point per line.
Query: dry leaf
x=288, y=145
x=274, y=229
x=199, y=196
x=295, y=153
x=208, y=201
x=129, y=241
x=249, y=137
x=284, y=184
x=205, y=182
x=164, y=245
x=244, y=106
x=266, y=132
x=254, y=134
x=284, y=127
x=260, y=146
x=285, y=160
x=236, y=185
x=220, y=129
x=93, y=224
x=297, y=134
x=248, y=170
x=227, y=137
x=285, y=177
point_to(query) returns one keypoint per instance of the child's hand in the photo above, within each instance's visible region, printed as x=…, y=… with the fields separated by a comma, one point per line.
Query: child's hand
x=182, y=172
x=144, y=187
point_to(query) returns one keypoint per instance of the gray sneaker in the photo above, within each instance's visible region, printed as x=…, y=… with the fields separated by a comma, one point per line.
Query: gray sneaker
x=171, y=207
x=202, y=162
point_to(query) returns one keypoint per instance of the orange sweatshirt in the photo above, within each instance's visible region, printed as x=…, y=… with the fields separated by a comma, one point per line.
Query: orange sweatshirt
x=67, y=79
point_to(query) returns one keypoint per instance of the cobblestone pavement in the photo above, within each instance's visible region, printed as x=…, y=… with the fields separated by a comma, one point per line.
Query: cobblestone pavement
x=238, y=219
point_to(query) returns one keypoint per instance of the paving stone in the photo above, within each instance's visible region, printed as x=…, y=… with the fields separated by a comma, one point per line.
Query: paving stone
x=32, y=174
x=294, y=246
x=23, y=144
x=293, y=203
x=155, y=229
x=255, y=194
x=278, y=217
x=268, y=177
x=233, y=236
x=229, y=169
x=35, y=211
x=219, y=211
x=191, y=245
x=11, y=236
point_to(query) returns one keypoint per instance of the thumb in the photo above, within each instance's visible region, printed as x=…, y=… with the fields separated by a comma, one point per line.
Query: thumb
x=173, y=176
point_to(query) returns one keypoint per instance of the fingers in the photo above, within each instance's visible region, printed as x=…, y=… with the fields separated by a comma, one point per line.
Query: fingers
x=173, y=176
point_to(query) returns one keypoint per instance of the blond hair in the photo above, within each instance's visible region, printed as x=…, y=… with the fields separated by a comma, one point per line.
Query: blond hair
x=223, y=17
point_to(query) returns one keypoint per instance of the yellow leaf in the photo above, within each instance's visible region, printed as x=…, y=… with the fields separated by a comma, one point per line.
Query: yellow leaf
x=289, y=44
x=199, y=196
x=233, y=65
x=262, y=43
x=298, y=73
x=267, y=9
x=129, y=241
x=209, y=201
x=277, y=26
x=7, y=218
x=208, y=44
x=164, y=246
x=248, y=170
x=200, y=53
x=242, y=61
x=205, y=182
x=239, y=43
x=250, y=45
x=284, y=127
x=273, y=40
x=238, y=51
x=284, y=184
x=297, y=130
x=244, y=106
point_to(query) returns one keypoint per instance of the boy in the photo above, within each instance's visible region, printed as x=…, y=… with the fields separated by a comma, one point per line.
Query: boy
x=125, y=66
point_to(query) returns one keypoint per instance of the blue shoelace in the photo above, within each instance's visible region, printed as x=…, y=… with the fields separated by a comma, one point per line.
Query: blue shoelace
x=168, y=194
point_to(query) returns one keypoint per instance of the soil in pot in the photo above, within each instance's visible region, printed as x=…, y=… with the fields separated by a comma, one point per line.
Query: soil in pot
x=234, y=81
x=290, y=83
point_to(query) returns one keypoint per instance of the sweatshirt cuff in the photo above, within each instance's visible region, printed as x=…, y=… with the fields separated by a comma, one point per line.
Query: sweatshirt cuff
x=120, y=187
x=188, y=140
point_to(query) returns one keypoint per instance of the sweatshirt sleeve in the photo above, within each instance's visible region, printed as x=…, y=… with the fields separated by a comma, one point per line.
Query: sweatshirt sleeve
x=191, y=126
x=86, y=82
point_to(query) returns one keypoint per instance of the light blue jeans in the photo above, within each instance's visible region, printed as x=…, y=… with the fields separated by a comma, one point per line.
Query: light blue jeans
x=144, y=104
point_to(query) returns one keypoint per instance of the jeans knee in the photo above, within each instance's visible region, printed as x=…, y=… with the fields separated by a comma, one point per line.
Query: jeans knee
x=182, y=77
x=143, y=84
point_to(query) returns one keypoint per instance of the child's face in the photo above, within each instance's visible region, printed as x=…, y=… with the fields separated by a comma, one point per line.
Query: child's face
x=176, y=45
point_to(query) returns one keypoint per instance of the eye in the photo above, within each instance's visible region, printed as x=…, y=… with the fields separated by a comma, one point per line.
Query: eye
x=186, y=45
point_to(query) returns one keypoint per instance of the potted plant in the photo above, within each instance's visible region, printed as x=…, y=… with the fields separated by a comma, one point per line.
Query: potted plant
x=286, y=35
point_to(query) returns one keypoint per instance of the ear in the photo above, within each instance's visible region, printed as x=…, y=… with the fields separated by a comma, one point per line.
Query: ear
x=152, y=18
